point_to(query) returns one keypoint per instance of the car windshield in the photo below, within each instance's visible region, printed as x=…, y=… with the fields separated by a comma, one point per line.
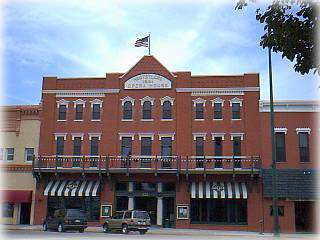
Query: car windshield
x=75, y=213
x=141, y=214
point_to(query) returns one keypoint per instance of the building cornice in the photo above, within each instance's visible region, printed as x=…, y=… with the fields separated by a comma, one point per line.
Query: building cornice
x=218, y=91
x=81, y=93
x=290, y=106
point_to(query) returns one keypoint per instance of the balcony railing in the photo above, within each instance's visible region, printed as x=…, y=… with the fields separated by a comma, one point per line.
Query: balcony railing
x=179, y=164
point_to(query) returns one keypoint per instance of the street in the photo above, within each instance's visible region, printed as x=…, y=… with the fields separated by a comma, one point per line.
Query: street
x=172, y=235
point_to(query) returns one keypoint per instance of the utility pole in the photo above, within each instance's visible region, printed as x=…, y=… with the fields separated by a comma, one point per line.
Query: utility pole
x=274, y=165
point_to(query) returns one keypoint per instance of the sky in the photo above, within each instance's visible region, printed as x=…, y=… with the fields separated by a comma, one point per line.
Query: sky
x=89, y=38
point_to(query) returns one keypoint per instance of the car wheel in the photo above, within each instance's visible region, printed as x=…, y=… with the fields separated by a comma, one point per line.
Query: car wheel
x=142, y=232
x=125, y=229
x=60, y=228
x=81, y=230
x=44, y=226
x=105, y=228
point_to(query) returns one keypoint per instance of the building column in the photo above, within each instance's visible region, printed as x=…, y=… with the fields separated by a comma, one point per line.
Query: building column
x=131, y=199
x=159, y=211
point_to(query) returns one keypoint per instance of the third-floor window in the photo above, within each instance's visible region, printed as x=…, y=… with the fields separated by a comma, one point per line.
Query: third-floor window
x=79, y=112
x=62, y=115
x=236, y=111
x=126, y=146
x=146, y=110
x=199, y=111
x=217, y=111
x=167, y=110
x=127, y=110
x=304, y=146
x=96, y=111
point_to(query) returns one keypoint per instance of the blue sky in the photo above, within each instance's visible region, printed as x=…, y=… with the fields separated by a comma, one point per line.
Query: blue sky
x=89, y=38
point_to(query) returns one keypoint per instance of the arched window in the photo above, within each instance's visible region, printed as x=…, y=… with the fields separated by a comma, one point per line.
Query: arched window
x=127, y=110
x=166, y=110
x=146, y=110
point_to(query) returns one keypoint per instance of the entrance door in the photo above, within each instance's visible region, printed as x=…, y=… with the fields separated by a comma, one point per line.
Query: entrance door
x=25, y=213
x=168, y=220
x=304, y=211
x=148, y=204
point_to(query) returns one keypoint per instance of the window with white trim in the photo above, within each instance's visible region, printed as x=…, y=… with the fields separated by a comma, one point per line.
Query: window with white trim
x=62, y=114
x=199, y=111
x=236, y=111
x=9, y=154
x=79, y=112
x=167, y=110
x=280, y=146
x=28, y=154
x=96, y=109
x=60, y=145
x=146, y=110
x=127, y=110
x=1, y=154
x=304, y=146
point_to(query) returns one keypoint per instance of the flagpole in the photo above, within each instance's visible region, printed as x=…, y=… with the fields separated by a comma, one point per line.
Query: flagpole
x=149, y=43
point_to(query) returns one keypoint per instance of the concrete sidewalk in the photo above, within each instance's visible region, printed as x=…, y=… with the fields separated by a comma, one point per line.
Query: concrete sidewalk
x=172, y=231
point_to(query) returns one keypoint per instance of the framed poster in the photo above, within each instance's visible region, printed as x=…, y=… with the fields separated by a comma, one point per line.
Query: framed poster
x=106, y=210
x=182, y=211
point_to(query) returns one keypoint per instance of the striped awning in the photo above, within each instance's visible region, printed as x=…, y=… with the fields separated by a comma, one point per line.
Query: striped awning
x=72, y=188
x=235, y=190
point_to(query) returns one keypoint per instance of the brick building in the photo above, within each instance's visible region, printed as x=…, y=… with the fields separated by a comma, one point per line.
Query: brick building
x=191, y=150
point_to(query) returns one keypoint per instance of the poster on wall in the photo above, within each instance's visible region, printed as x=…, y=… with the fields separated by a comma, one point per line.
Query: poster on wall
x=106, y=210
x=182, y=211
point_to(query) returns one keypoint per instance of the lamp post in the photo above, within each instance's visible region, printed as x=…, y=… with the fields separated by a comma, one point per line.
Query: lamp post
x=274, y=166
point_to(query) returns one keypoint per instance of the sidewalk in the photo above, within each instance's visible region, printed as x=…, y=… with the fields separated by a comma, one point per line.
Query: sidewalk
x=172, y=231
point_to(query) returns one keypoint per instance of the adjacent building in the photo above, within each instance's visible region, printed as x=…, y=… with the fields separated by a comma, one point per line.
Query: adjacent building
x=192, y=150
x=19, y=134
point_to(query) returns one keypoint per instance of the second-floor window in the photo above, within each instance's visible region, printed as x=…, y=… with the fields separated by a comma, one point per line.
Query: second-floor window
x=236, y=111
x=166, y=146
x=1, y=154
x=280, y=146
x=146, y=110
x=127, y=110
x=62, y=115
x=28, y=154
x=77, y=146
x=126, y=146
x=199, y=111
x=217, y=111
x=167, y=110
x=96, y=111
x=94, y=146
x=199, y=151
x=9, y=154
x=79, y=112
x=304, y=147
x=218, y=151
x=237, y=151
x=60, y=146
x=146, y=146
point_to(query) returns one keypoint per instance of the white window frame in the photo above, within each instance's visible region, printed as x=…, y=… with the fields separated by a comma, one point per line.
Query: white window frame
x=96, y=101
x=2, y=153
x=91, y=135
x=281, y=130
x=150, y=135
x=62, y=102
x=79, y=102
x=167, y=98
x=121, y=135
x=233, y=135
x=303, y=130
x=199, y=100
x=202, y=135
x=214, y=135
x=127, y=99
x=147, y=99
x=25, y=153
x=217, y=100
x=162, y=135
x=74, y=135
x=6, y=154
x=64, y=135
x=236, y=100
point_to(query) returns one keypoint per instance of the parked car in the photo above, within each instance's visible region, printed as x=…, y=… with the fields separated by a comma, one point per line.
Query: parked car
x=127, y=221
x=66, y=219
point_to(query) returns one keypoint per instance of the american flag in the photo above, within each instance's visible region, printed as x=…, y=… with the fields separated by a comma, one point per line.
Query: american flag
x=142, y=42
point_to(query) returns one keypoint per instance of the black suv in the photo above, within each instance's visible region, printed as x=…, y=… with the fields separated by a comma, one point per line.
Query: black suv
x=66, y=219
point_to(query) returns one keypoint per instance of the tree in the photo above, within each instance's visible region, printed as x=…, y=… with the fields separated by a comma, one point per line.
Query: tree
x=290, y=28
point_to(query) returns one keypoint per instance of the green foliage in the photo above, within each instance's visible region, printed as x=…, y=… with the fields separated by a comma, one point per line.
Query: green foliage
x=290, y=28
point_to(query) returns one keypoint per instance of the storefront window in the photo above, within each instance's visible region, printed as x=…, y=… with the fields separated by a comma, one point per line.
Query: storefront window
x=7, y=210
x=220, y=211
x=90, y=205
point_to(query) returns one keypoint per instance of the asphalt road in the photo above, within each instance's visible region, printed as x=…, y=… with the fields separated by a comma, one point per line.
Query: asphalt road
x=27, y=234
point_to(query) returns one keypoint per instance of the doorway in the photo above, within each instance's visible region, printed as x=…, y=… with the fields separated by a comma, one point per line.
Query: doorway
x=148, y=204
x=304, y=216
x=168, y=220
x=25, y=213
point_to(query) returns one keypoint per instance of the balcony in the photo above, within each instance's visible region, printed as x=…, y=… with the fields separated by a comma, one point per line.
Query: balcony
x=149, y=164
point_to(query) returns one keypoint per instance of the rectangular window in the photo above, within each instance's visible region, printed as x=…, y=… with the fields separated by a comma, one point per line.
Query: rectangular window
x=218, y=152
x=77, y=146
x=235, y=110
x=79, y=112
x=199, y=151
x=220, y=211
x=280, y=211
x=126, y=151
x=62, y=112
x=237, y=151
x=1, y=154
x=9, y=154
x=28, y=154
x=280, y=146
x=217, y=114
x=304, y=147
x=96, y=111
x=146, y=150
x=199, y=111
x=60, y=146
x=94, y=146
x=166, y=151
x=7, y=210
